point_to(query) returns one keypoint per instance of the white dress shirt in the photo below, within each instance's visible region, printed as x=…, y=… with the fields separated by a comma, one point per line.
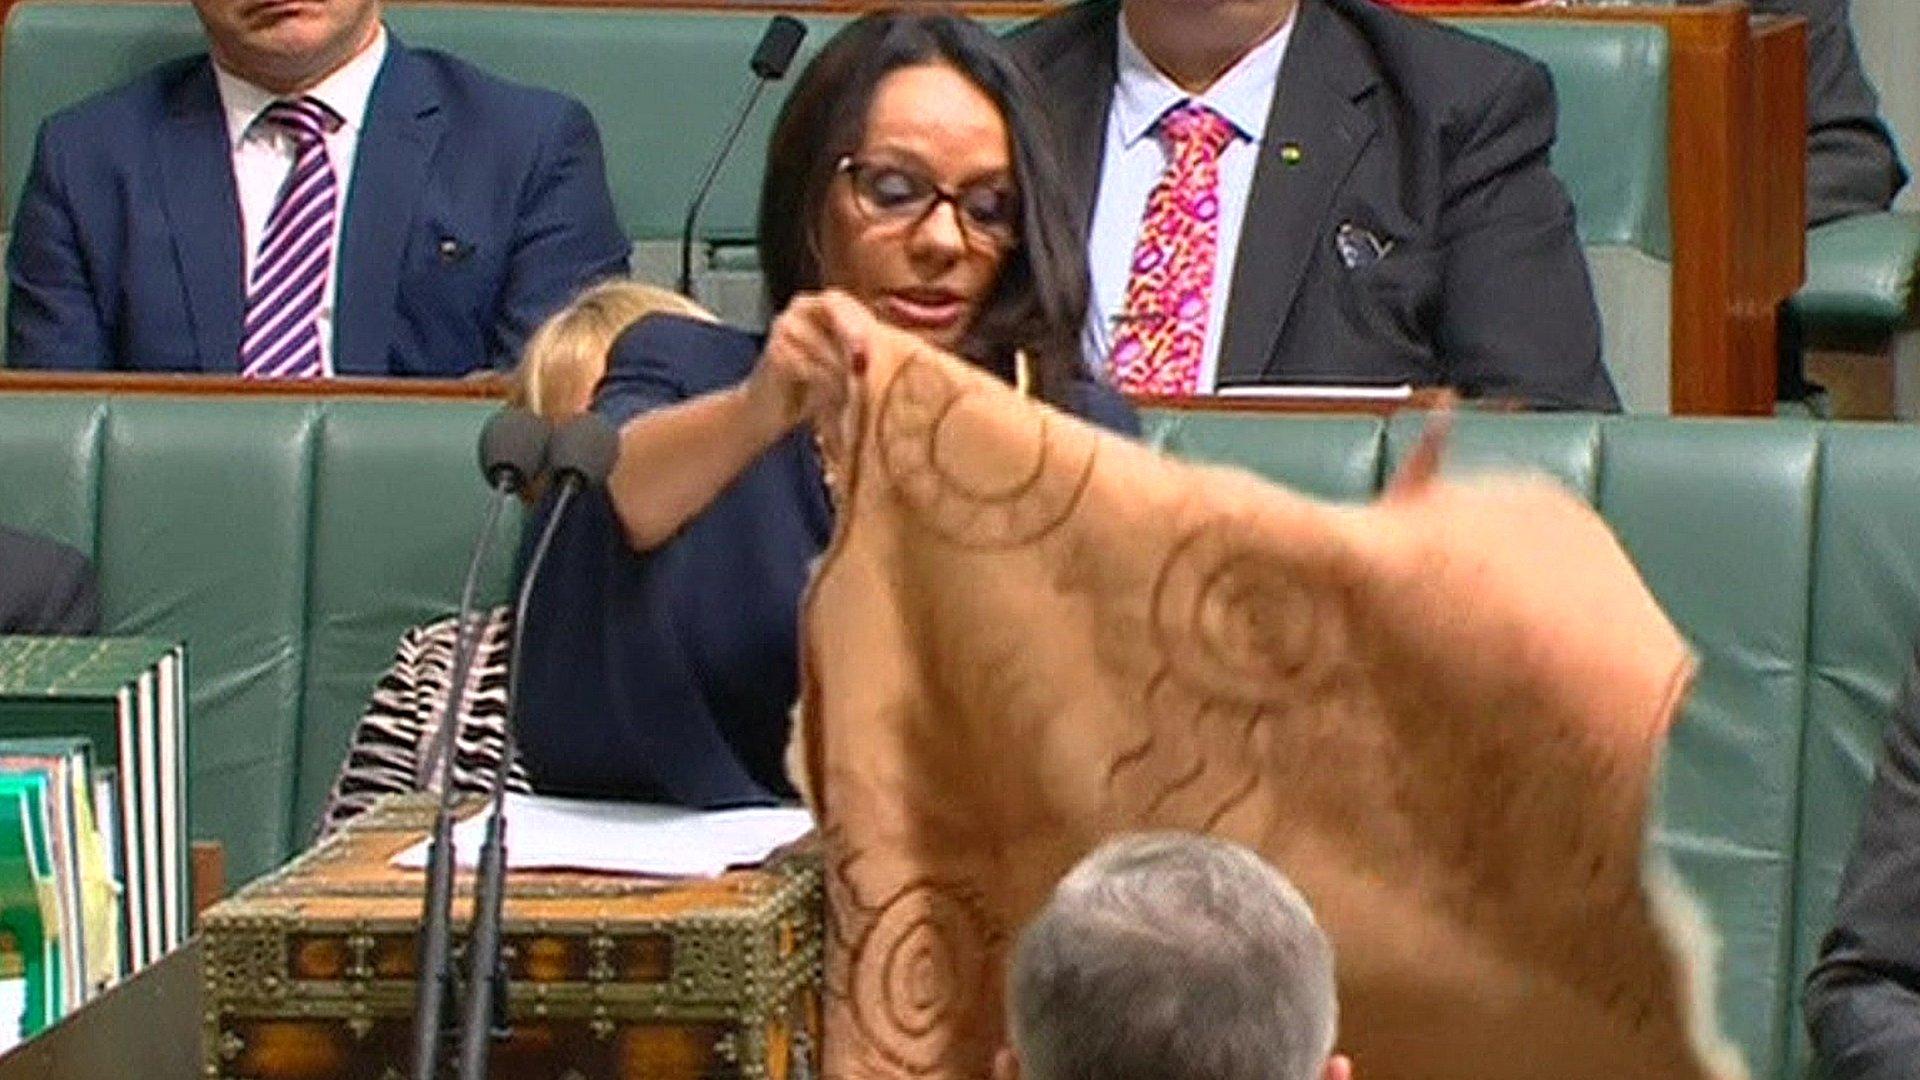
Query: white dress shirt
x=1134, y=162
x=263, y=156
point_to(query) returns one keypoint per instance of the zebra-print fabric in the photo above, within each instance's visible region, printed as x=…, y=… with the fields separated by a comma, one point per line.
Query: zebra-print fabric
x=391, y=746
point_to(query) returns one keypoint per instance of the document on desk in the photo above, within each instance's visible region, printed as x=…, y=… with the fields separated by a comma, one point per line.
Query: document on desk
x=1318, y=391
x=547, y=833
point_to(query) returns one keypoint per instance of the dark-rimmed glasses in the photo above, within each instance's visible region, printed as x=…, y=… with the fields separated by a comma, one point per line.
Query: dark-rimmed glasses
x=896, y=196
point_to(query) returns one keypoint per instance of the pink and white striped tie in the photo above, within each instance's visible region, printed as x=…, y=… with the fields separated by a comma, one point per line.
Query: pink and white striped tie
x=281, y=336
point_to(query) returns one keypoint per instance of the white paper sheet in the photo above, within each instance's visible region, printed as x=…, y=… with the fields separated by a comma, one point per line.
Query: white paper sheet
x=546, y=833
x=1330, y=391
x=13, y=1012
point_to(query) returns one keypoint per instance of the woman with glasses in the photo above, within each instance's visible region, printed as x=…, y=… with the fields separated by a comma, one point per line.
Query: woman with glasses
x=909, y=182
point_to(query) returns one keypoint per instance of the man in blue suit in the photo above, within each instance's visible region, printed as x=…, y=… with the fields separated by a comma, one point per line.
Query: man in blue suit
x=311, y=198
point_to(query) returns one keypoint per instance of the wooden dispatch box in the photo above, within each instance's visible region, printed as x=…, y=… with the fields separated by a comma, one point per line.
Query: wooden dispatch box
x=309, y=972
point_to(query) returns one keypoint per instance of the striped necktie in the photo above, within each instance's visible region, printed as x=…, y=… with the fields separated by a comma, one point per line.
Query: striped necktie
x=281, y=336
x=1164, y=329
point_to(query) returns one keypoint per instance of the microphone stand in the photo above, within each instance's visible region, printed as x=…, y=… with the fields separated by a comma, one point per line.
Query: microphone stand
x=685, y=280
x=582, y=454
x=486, y=1001
x=769, y=64
x=432, y=1009
x=512, y=448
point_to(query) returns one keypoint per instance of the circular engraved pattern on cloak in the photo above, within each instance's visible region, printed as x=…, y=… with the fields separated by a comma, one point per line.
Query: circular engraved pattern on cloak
x=1239, y=622
x=978, y=505
x=920, y=977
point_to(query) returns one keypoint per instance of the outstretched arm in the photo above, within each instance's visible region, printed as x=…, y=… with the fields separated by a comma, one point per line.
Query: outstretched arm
x=677, y=459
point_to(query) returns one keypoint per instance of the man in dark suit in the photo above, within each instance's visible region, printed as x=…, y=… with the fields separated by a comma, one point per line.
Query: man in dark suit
x=45, y=587
x=1863, y=997
x=311, y=198
x=1385, y=211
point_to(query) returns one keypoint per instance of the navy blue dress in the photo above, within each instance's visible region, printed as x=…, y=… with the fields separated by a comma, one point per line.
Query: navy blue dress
x=670, y=675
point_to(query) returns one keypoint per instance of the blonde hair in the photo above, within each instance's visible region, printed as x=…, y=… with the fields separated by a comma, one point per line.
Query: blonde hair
x=567, y=355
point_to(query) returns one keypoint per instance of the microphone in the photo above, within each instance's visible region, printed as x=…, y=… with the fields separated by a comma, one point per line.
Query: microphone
x=771, y=58
x=775, y=52
x=513, y=450
x=580, y=455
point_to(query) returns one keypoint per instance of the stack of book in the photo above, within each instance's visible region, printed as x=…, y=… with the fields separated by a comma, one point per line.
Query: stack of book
x=93, y=846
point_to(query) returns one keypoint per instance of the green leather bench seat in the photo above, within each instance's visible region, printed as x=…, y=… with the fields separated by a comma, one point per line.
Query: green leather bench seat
x=1789, y=554
x=1612, y=83
x=1860, y=272
x=1859, y=295
x=290, y=541
x=286, y=542
x=662, y=86
x=1860, y=280
x=1611, y=151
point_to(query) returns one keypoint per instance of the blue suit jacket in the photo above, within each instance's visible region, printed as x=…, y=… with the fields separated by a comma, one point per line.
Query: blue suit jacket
x=672, y=674
x=476, y=208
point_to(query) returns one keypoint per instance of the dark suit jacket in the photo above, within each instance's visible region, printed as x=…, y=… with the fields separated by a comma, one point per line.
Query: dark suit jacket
x=45, y=587
x=1852, y=167
x=476, y=208
x=1418, y=133
x=672, y=674
x=1863, y=997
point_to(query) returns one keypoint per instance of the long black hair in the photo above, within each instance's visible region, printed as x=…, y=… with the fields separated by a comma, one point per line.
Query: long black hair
x=1039, y=301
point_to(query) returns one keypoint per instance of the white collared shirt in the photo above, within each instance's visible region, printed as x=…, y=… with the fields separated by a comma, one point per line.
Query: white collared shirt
x=1136, y=158
x=263, y=156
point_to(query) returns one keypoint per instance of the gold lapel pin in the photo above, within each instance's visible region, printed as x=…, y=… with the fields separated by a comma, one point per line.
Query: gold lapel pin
x=1291, y=153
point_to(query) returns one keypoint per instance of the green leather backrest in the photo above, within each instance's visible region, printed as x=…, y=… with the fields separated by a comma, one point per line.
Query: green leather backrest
x=1865, y=616
x=663, y=85
x=1788, y=553
x=286, y=542
x=1611, y=80
x=55, y=54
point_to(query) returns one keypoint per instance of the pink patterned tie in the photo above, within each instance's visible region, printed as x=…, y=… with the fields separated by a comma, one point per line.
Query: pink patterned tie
x=1164, y=329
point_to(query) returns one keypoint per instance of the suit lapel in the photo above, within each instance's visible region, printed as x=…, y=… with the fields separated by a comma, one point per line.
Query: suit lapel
x=203, y=210
x=1079, y=77
x=402, y=129
x=1324, y=73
